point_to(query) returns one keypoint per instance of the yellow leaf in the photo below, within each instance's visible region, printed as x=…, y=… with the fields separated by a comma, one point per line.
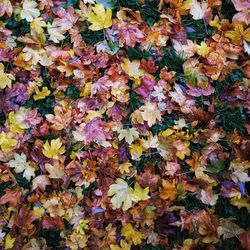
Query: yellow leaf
x=124, y=246
x=238, y=34
x=54, y=149
x=41, y=94
x=131, y=234
x=5, y=78
x=37, y=25
x=18, y=121
x=169, y=191
x=242, y=202
x=199, y=174
x=121, y=195
x=100, y=18
x=132, y=68
x=202, y=49
x=9, y=242
x=136, y=151
x=29, y=10
x=39, y=212
x=215, y=23
x=124, y=167
x=86, y=90
x=7, y=143
x=14, y=126
x=140, y=194
x=167, y=132
x=186, y=5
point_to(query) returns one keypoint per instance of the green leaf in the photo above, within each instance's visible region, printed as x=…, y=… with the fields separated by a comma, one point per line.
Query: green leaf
x=215, y=169
x=113, y=48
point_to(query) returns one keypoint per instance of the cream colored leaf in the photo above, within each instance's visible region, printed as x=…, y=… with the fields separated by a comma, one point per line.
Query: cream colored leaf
x=29, y=10
x=150, y=113
x=121, y=195
x=128, y=134
x=198, y=9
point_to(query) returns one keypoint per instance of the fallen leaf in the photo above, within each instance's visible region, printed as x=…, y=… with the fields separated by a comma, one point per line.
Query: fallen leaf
x=9, y=242
x=29, y=10
x=99, y=17
x=53, y=149
x=121, y=193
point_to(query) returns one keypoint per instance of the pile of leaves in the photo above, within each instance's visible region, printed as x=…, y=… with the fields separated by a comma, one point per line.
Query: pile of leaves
x=124, y=124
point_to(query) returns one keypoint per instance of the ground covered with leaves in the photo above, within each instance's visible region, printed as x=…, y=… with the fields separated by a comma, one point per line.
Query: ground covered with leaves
x=124, y=124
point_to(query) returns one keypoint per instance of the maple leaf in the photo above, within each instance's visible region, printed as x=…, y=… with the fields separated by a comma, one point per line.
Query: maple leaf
x=54, y=149
x=130, y=34
x=146, y=87
x=9, y=242
x=6, y=7
x=150, y=113
x=207, y=196
x=151, y=142
x=243, y=6
x=240, y=172
x=20, y=165
x=55, y=171
x=124, y=246
x=41, y=94
x=241, y=202
x=17, y=124
x=121, y=193
x=131, y=234
x=202, y=49
x=7, y=143
x=198, y=10
x=139, y=194
x=99, y=17
x=228, y=228
x=172, y=168
x=55, y=33
x=124, y=167
x=11, y=196
x=62, y=117
x=29, y=10
x=238, y=35
x=67, y=18
x=37, y=26
x=40, y=182
x=128, y=134
x=5, y=78
x=132, y=68
x=136, y=150
x=96, y=130
x=38, y=212
x=169, y=191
